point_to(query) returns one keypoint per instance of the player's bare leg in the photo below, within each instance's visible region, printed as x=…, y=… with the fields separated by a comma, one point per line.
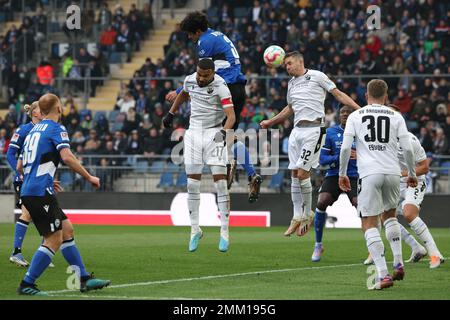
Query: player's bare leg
x=296, y=197
x=411, y=214
x=193, y=188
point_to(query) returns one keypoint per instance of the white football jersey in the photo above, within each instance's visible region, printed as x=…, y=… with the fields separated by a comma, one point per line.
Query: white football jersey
x=207, y=103
x=377, y=129
x=419, y=156
x=306, y=94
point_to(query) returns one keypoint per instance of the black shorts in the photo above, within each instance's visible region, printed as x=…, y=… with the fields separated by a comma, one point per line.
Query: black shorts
x=45, y=213
x=17, y=188
x=238, y=96
x=331, y=185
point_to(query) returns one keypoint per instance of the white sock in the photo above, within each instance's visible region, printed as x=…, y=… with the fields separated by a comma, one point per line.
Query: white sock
x=306, y=189
x=223, y=202
x=296, y=197
x=409, y=239
x=421, y=230
x=394, y=236
x=193, y=188
x=376, y=249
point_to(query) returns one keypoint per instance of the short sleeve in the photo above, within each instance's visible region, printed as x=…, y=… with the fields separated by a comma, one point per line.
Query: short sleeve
x=401, y=128
x=325, y=82
x=18, y=138
x=185, y=86
x=350, y=126
x=419, y=151
x=60, y=137
x=225, y=95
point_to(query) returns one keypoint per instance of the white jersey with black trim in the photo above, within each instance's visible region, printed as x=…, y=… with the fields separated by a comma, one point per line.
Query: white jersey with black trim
x=377, y=130
x=306, y=94
x=207, y=103
x=419, y=156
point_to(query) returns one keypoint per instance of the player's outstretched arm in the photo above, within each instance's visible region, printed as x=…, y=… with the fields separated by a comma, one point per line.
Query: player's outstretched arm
x=283, y=115
x=344, y=98
x=181, y=98
x=72, y=162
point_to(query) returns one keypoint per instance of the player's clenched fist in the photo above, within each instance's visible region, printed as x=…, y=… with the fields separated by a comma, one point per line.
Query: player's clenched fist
x=94, y=181
x=265, y=124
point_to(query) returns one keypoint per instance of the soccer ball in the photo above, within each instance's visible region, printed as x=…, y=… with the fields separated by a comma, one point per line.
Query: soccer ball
x=273, y=56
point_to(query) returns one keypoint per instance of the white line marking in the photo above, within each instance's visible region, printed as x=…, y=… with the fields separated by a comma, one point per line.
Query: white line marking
x=220, y=276
x=118, y=297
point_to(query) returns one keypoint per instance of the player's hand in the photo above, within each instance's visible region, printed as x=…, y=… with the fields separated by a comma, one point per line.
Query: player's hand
x=353, y=154
x=404, y=173
x=94, y=181
x=57, y=187
x=171, y=96
x=220, y=137
x=265, y=124
x=344, y=184
x=167, y=120
x=412, y=182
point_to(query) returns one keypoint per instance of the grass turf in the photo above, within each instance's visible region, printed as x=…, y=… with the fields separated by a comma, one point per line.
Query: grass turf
x=138, y=260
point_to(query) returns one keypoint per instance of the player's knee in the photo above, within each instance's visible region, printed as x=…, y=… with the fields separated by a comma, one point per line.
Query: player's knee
x=221, y=187
x=305, y=185
x=193, y=186
x=25, y=216
x=303, y=175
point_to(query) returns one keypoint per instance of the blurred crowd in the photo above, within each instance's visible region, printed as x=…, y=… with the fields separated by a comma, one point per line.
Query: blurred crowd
x=333, y=38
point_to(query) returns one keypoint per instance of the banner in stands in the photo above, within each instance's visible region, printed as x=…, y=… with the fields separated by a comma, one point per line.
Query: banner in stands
x=170, y=209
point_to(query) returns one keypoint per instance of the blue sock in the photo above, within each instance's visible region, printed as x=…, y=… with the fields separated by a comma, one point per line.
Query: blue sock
x=243, y=157
x=319, y=223
x=39, y=263
x=70, y=252
x=19, y=234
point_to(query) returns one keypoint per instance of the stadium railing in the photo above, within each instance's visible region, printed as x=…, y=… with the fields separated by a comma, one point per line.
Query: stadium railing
x=138, y=173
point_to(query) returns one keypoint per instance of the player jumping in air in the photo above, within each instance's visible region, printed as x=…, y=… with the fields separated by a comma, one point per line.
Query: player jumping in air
x=44, y=147
x=329, y=191
x=306, y=95
x=214, y=45
x=205, y=143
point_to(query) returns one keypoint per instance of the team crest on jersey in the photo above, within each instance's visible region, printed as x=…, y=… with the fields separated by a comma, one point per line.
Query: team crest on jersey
x=339, y=135
x=308, y=77
x=210, y=90
x=15, y=137
x=64, y=136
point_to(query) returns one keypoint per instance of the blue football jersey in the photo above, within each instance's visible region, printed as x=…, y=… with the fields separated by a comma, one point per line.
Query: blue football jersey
x=218, y=47
x=329, y=155
x=17, y=141
x=41, y=157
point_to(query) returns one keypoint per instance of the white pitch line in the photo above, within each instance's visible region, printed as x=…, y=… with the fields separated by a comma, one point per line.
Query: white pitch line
x=221, y=276
x=117, y=297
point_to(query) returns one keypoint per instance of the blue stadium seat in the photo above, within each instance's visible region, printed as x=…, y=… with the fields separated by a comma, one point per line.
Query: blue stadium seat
x=181, y=179
x=142, y=167
x=85, y=112
x=98, y=114
x=157, y=167
x=66, y=179
x=113, y=115
x=445, y=164
x=277, y=180
x=115, y=57
x=117, y=126
x=240, y=12
x=166, y=180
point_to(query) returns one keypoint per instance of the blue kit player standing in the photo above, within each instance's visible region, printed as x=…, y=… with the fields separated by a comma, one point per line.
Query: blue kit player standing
x=14, y=150
x=44, y=147
x=329, y=191
x=215, y=45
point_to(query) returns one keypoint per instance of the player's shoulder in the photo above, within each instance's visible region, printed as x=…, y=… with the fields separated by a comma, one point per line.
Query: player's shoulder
x=316, y=73
x=332, y=129
x=219, y=81
x=191, y=78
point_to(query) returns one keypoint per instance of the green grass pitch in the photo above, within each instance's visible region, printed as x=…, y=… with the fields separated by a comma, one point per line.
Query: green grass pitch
x=154, y=263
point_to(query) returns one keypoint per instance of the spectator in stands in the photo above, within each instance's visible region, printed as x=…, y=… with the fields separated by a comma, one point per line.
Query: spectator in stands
x=120, y=142
x=425, y=139
x=104, y=16
x=125, y=40
x=440, y=143
x=153, y=144
x=4, y=141
x=87, y=124
x=93, y=143
x=132, y=121
x=108, y=40
x=134, y=144
x=126, y=103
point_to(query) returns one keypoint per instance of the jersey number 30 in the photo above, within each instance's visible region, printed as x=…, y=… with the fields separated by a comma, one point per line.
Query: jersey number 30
x=30, y=148
x=379, y=132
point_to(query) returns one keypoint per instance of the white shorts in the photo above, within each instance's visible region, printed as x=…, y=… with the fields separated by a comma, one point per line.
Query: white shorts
x=412, y=196
x=304, y=147
x=200, y=149
x=378, y=193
